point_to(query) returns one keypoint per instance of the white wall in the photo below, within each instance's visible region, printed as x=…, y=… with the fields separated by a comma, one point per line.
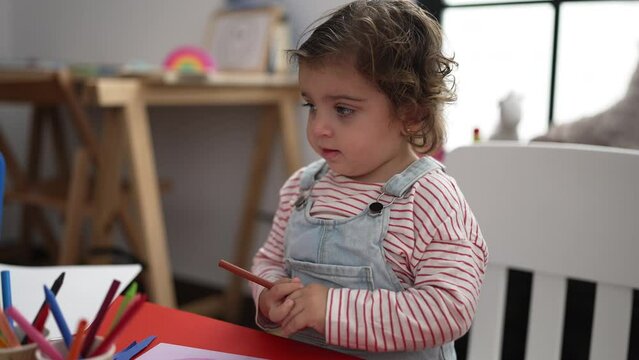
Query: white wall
x=11, y=117
x=5, y=29
x=204, y=151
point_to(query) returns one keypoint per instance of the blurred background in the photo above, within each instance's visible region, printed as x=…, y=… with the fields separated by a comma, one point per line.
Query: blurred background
x=561, y=61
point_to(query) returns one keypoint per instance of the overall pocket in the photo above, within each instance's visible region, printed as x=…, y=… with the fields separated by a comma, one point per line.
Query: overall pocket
x=333, y=276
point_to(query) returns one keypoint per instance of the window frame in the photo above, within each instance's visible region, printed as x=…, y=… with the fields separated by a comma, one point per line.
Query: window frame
x=437, y=7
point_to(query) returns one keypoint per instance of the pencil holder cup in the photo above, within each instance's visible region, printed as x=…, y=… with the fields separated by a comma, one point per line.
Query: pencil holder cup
x=22, y=352
x=59, y=345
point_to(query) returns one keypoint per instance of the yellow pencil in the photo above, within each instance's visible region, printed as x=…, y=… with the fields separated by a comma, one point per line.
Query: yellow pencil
x=3, y=344
x=5, y=329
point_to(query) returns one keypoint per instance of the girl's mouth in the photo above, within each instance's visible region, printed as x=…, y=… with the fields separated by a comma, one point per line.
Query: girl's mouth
x=330, y=154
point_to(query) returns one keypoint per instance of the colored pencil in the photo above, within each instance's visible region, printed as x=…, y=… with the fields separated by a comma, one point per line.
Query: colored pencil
x=99, y=317
x=6, y=292
x=59, y=318
x=34, y=334
x=43, y=313
x=129, y=313
x=7, y=332
x=78, y=339
x=244, y=273
x=130, y=292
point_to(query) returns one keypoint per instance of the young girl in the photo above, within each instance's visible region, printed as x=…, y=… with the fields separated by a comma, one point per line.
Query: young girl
x=373, y=249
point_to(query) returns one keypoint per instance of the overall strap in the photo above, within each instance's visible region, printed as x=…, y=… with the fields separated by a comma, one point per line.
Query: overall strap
x=311, y=173
x=400, y=184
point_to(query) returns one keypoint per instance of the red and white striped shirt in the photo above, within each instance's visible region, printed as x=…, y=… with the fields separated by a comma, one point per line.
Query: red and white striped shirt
x=433, y=244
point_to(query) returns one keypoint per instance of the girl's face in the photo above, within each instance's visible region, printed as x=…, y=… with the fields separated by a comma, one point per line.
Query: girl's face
x=351, y=123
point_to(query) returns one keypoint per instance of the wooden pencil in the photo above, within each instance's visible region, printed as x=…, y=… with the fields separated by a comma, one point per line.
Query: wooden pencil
x=244, y=273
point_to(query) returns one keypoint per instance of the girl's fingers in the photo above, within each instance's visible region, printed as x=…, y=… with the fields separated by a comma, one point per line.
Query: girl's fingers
x=291, y=315
x=295, y=324
x=288, y=280
x=273, y=300
x=284, y=281
x=282, y=290
x=277, y=313
x=295, y=295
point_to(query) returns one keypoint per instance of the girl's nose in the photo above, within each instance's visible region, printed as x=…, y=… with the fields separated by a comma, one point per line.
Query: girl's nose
x=321, y=126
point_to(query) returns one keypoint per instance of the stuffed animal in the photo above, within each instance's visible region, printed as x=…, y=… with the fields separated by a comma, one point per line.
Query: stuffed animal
x=510, y=115
x=616, y=126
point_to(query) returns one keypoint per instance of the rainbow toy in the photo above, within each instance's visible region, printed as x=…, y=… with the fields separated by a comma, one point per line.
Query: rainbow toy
x=189, y=60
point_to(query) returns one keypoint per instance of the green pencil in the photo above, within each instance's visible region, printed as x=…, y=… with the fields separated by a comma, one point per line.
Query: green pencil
x=128, y=295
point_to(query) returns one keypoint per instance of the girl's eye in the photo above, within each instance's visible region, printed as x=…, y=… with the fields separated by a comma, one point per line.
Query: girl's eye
x=310, y=106
x=344, y=111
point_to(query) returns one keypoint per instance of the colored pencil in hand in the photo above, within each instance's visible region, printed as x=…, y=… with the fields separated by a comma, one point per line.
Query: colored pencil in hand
x=99, y=317
x=244, y=273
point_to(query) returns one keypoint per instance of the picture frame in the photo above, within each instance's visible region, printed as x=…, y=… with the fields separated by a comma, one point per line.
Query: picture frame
x=240, y=40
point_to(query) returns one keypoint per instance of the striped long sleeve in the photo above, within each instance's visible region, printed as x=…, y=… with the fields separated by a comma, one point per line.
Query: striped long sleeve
x=434, y=246
x=269, y=260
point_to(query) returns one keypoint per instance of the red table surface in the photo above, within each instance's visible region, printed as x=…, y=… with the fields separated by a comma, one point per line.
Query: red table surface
x=187, y=329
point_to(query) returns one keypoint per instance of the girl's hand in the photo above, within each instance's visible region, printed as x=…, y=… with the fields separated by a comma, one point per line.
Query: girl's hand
x=273, y=303
x=309, y=310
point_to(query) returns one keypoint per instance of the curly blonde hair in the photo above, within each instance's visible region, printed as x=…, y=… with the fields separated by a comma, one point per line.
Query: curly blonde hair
x=396, y=45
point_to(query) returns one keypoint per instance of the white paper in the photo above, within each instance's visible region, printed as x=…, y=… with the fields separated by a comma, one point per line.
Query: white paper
x=164, y=351
x=79, y=297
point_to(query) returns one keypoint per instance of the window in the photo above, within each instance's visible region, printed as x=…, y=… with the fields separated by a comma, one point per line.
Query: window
x=504, y=47
x=598, y=53
x=499, y=50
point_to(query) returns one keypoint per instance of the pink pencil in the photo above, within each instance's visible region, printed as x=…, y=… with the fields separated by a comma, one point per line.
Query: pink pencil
x=34, y=334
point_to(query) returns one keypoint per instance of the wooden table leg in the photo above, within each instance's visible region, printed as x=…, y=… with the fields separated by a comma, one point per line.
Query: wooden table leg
x=257, y=178
x=126, y=96
x=71, y=244
x=109, y=176
x=149, y=206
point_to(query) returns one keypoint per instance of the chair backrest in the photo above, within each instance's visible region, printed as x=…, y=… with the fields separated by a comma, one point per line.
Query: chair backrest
x=560, y=211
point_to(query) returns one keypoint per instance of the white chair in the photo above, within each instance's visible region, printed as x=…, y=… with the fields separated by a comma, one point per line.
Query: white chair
x=559, y=211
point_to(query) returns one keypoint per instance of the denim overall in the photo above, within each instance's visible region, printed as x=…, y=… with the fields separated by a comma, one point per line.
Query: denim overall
x=348, y=253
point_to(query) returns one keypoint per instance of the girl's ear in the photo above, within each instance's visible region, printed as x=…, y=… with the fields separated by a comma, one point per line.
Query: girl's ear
x=413, y=119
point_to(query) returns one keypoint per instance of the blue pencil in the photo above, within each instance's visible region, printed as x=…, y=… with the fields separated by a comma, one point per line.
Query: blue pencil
x=6, y=293
x=57, y=314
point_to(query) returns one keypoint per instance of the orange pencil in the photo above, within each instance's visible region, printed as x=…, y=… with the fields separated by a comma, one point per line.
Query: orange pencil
x=5, y=329
x=76, y=345
x=244, y=273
